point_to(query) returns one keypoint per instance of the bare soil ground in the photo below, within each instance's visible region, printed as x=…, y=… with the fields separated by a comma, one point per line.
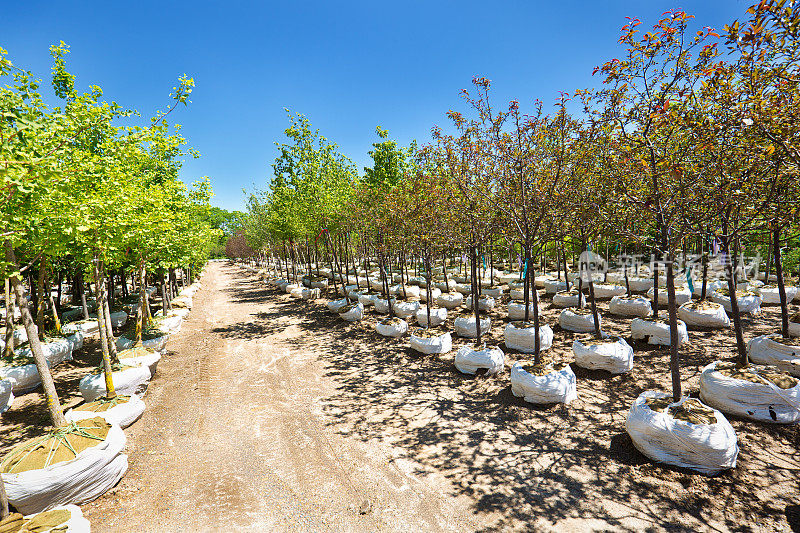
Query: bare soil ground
x=271, y=414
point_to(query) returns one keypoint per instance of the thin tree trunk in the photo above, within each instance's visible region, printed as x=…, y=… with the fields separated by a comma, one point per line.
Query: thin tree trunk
x=54, y=309
x=140, y=315
x=475, y=307
x=654, y=304
x=776, y=243
x=741, y=361
x=40, y=298
x=428, y=289
x=48, y=386
x=770, y=247
x=672, y=307
x=164, y=297
x=8, y=351
x=110, y=340
x=101, y=320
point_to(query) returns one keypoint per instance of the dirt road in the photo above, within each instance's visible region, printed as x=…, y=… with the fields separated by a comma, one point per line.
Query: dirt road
x=271, y=414
x=236, y=436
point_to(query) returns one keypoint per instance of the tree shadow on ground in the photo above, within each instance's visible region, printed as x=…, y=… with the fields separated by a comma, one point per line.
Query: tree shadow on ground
x=531, y=466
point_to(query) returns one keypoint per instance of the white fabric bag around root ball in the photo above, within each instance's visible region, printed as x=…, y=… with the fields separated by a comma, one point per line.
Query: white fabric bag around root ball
x=768, y=350
x=485, y=303
x=605, y=291
x=748, y=302
x=405, y=309
x=564, y=299
x=772, y=296
x=493, y=292
x=638, y=306
x=706, y=448
x=640, y=284
x=391, y=328
x=430, y=345
x=578, y=322
x=470, y=359
x=76, y=341
x=450, y=300
x=553, y=286
x=353, y=314
x=156, y=344
x=123, y=414
x=367, y=300
x=149, y=360
x=335, y=306
x=24, y=378
x=681, y=296
x=435, y=293
x=614, y=355
x=465, y=326
x=6, y=394
x=87, y=327
x=521, y=337
x=438, y=316
x=128, y=381
x=657, y=333
x=712, y=317
x=86, y=477
x=557, y=386
x=764, y=401
x=516, y=311
x=56, y=351
x=519, y=294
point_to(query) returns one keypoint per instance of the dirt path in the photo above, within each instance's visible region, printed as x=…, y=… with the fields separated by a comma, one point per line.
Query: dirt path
x=271, y=414
x=235, y=436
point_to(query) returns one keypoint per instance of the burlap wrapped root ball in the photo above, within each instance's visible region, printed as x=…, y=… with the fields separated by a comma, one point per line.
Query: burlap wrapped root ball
x=756, y=392
x=549, y=383
x=469, y=360
x=686, y=433
x=613, y=354
x=704, y=314
x=427, y=342
x=391, y=327
x=46, y=472
x=776, y=351
x=521, y=336
x=352, y=312
x=657, y=332
x=121, y=410
x=636, y=306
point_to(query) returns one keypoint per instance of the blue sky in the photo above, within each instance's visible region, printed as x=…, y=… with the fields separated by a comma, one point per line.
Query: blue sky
x=348, y=66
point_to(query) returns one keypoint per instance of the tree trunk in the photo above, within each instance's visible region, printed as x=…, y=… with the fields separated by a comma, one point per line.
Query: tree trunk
x=428, y=288
x=730, y=268
x=8, y=351
x=776, y=243
x=40, y=298
x=770, y=247
x=140, y=315
x=110, y=340
x=627, y=283
x=654, y=303
x=475, y=307
x=101, y=320
x=164, y=297
x=48, y=386
x=54, y=309
x=673, y=332
x=58, y=294
x=444, y=272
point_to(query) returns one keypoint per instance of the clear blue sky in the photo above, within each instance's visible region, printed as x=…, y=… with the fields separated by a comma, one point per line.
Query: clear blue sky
x=349, y=66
